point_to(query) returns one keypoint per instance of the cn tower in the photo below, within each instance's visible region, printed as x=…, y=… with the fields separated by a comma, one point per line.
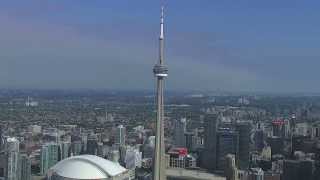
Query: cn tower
x=160, y=71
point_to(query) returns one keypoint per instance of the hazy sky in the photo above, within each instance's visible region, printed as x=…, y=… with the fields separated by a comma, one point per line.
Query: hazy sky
x=246, y=45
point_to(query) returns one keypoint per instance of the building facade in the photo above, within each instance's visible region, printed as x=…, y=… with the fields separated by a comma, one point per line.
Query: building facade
x=179, y=132
x=49, y=157
x=209, y=159
x=12, y=167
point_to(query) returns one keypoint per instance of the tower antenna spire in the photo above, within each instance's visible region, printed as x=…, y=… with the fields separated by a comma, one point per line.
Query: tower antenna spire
x=161, y=37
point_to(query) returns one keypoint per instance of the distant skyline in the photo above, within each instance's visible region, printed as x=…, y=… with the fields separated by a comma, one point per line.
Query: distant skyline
x=244, y=45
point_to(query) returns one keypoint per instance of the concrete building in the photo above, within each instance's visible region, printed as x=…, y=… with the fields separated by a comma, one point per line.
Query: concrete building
x=315, y=130
x=244, y=129
x=148, y=147
x=209, y=159
x=64, y=150
x=87, y=167
x=84, y=141
x=303, y=129
x=227, y=143
x=160, y=71
x=76, y=148
x=276, y=144
x=231, y=170
x=133, y=158
x=189, y=137
x=278, y=128
x=179, y=132
x=114, y=156
x=259, y=140
x=92, y=144
x=255, y=174
x=197, y=139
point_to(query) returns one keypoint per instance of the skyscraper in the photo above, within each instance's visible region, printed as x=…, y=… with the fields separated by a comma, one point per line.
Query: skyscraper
x=160, y=71
x=12, y=170
x=227, y=143
x=49, y=157
x=25, y=167
x=179, y=132
x=189, y=136
x=92, y=144
x=76, y=148
x=120, y=135
x=209, y=158
x=231, y=170
x=259, y=140
x=64, y=150
x=244, y=130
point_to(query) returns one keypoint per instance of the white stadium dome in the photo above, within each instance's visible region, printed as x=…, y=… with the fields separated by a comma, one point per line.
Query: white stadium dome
x=87, y=167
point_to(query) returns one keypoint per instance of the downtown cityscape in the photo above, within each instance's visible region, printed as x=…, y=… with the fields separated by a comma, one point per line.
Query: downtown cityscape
x=145, y=124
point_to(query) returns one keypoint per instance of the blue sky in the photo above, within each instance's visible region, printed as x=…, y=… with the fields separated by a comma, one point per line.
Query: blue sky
x=242, y=45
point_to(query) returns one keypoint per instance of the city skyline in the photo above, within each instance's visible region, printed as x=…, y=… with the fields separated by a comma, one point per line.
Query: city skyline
x=77, y=93
x=237, y=46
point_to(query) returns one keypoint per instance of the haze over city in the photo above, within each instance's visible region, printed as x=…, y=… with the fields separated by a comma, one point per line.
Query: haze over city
x=159, y=90
x=243, y=45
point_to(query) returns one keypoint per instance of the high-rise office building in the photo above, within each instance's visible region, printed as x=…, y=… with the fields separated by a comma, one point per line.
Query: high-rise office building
x=120, y=135
x=92, y=144
x=179, y=132
x=148, y=148
x=209, y=158
x=278, y=128
x=189, y=136
x=25, y=162
x=227, y=143
x=276, y=144
x=84, y=141
x=197, y=139
x=259, y=140
x=12, y=167
x=100, y=150
x=231, y=170
x=64, y=150
x=244, y=130
x=49, y=157
x=133, y=158
x=76, y=148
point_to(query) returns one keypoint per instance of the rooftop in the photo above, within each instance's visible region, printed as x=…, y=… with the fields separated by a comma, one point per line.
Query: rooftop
x=87, y=167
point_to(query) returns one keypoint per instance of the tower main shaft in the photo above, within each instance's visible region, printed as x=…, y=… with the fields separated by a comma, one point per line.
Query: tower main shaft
x=160, y=71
